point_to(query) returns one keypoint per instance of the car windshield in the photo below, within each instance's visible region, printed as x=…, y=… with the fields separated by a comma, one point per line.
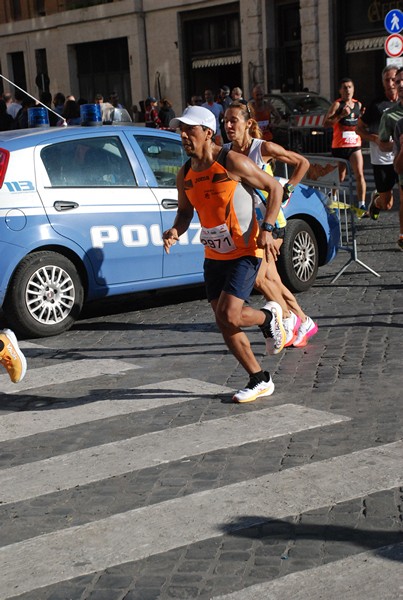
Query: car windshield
x=307, y=104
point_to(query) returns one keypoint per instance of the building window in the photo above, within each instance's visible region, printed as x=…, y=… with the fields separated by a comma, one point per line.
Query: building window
x=212, y=48
x=16, y=9
x=40, y=8
x=73, y=4
x=42, y=78
x=18, y=69
x=211, y=35
x=103, y=67
x=285, y=60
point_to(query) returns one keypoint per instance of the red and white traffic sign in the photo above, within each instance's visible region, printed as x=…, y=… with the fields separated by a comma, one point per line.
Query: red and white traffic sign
x=394, y=45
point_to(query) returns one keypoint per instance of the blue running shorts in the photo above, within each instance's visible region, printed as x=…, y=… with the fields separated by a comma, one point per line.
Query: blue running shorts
x=236, y=277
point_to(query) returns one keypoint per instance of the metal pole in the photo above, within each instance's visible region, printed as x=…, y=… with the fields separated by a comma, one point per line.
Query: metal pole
x=33, y=98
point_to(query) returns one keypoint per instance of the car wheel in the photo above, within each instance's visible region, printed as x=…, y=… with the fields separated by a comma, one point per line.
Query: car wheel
x=45, y=296
x=299, y=258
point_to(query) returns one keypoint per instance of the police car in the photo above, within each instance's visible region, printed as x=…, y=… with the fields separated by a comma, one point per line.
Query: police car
x=82, y=211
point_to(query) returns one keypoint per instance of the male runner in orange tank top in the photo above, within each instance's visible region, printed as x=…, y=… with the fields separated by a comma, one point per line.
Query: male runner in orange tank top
x=215, y=183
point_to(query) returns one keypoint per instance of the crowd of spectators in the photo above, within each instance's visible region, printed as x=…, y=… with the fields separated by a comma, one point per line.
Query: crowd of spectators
x=61, y=109
x=156, y=113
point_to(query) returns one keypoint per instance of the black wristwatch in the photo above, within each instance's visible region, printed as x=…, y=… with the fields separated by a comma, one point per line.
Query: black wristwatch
x=288, y=188
x=267, y=227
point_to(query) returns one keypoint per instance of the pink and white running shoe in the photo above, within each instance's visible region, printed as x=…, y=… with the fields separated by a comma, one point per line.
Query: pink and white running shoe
x=307, y=329
x=291, y=326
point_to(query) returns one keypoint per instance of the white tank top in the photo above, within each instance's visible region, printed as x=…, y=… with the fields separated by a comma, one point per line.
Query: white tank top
x=255, y=154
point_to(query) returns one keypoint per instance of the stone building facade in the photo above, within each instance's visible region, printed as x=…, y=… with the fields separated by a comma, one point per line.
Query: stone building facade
x=176, y=48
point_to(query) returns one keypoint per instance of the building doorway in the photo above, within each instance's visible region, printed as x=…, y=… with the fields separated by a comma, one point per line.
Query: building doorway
x=18, y=69
x=103, y=68
x=212, y=47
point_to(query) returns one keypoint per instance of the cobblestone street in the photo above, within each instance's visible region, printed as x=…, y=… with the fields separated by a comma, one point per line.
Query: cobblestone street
x=128, y=474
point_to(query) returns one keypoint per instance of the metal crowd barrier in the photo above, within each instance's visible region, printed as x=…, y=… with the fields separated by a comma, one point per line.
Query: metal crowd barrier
x=323, y=174
x=310, y=139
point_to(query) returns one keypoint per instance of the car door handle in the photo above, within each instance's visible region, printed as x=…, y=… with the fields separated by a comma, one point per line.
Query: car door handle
x=169, y=203
x=61, y=205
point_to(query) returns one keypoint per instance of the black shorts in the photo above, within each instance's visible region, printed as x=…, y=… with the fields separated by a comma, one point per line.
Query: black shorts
x=344, y=152
x=236, y=277
x=385, y=177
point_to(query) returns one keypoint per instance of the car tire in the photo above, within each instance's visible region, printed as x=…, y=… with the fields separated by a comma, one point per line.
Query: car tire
x=45, y=295
x=299, y=257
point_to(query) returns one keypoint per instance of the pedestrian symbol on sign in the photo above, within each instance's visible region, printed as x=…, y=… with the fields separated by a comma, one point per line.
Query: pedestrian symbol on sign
x=394, y=21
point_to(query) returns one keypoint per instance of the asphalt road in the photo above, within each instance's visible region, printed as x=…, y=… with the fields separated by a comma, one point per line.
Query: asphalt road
x=127, y=473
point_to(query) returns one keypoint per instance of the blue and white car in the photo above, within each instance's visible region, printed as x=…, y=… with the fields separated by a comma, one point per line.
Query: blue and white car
x=82, y=211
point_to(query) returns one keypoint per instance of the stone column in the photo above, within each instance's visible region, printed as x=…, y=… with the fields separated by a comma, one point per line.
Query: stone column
x=309, y=42
x=253, y=56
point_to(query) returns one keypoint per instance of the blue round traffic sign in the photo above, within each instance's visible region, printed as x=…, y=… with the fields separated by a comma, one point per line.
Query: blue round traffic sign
x=394, y=21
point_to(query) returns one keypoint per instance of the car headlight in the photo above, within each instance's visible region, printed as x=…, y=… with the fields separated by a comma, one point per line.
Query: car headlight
x=317, y=132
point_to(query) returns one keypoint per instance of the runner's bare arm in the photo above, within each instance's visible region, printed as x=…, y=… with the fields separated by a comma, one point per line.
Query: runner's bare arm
x=299, y=162
x=363, y=131
x=184, y=215
x=334, y=114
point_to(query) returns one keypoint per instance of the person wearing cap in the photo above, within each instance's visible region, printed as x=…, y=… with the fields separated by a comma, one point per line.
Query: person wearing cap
x=151, y=113
x=217, y=184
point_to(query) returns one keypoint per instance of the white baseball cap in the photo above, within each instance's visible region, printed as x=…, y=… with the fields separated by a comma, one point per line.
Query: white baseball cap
x=195, y=115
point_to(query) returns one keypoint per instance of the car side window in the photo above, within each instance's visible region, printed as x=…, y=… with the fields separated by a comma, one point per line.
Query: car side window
x=88, y=162
x=164, y=156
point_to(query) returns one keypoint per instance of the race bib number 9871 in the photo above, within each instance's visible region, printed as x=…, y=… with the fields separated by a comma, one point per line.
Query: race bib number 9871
x=218, y=239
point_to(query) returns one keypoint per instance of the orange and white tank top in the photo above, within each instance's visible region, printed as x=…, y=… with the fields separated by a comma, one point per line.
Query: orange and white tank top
x=226, y=211
x=344, y=134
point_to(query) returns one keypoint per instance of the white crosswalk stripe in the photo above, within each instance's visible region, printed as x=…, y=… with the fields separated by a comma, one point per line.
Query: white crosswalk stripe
x=144, y=397
x=365, y=575
x=86, y=466
x=158, y=528
x=64, y=373
x=69, y=552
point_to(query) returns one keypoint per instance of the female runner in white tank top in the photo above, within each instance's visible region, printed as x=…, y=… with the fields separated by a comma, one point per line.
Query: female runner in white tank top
x=245, y=137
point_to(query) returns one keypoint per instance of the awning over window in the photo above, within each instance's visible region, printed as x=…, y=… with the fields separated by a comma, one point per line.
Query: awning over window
x=374, y=43
x=216, y=61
